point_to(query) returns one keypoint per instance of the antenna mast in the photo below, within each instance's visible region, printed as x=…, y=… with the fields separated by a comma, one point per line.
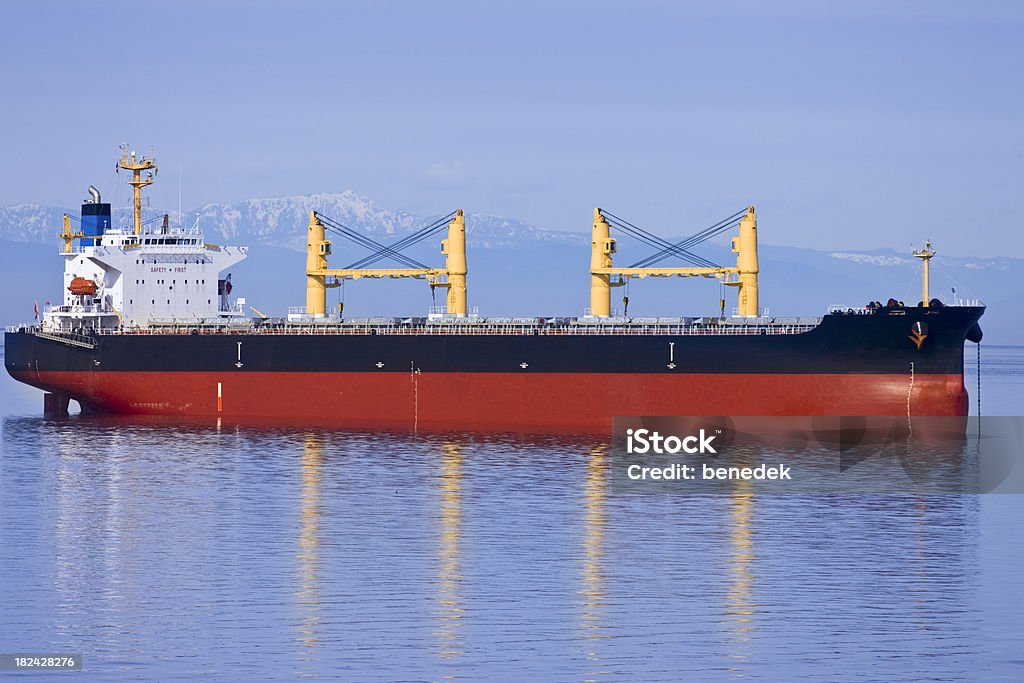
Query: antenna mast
x=129, y=162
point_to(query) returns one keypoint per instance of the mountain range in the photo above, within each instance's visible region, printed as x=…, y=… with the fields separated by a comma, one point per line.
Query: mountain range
x=515, y=268
x=282, y=221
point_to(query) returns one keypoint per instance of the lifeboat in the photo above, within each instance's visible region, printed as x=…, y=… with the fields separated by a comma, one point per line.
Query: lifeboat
x=82, y=287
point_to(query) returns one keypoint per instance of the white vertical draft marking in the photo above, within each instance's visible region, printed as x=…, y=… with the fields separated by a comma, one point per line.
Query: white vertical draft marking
x=239, y=363
x=910, y=389
x=413, y=372
x=671, y=356
x=979, y=388
x=220, y=398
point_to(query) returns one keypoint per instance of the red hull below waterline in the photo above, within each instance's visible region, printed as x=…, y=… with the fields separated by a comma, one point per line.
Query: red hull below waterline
x=500, y=400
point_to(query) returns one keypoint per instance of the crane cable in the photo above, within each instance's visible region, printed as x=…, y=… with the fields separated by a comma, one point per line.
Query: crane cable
x=695, y=239
x=406, y=242
x=353, y=236
x=653, y=240
x=690, y=242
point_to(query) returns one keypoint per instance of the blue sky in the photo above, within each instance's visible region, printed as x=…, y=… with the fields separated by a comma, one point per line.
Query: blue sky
x=849, y=125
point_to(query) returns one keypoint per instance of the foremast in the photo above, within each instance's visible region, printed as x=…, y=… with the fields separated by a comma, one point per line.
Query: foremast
x=925, y=255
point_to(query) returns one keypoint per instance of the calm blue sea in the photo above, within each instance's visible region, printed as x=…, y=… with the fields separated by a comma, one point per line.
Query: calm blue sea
x=195, y=552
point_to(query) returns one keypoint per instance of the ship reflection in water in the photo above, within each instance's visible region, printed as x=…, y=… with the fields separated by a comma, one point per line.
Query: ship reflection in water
x=449, y=485
x=155, y=548
x=308, y=594
x=592, y=592
x=741, y=606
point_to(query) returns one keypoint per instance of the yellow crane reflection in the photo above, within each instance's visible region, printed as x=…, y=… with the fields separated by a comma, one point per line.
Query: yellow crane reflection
x=595, y=522
x=741, y=608
x=450, y=552
x=308, y=594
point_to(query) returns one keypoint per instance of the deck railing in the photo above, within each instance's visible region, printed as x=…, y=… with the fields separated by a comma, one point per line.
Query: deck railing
x=473, y=330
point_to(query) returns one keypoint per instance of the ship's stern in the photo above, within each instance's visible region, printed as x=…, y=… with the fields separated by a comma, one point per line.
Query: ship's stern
x=59, y=364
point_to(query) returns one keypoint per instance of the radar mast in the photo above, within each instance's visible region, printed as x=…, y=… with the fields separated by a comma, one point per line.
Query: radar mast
x=137, y=165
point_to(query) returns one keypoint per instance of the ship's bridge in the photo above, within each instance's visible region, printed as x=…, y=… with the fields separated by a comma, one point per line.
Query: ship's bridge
x=132, y=278
x=134, y=281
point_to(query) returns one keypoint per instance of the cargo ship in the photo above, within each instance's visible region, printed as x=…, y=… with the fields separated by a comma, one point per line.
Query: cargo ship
x=150, y=325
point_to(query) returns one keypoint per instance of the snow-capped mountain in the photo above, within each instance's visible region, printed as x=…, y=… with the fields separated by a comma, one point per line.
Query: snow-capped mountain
x=32, y=222
x=282, y=221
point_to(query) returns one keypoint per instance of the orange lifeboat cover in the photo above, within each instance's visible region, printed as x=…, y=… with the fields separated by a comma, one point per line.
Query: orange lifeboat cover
x=81, y=286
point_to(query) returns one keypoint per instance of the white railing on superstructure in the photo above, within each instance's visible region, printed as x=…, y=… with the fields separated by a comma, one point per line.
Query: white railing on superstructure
x=97, y=250
x=236, y=308
x=79, y=309
x=170, y=248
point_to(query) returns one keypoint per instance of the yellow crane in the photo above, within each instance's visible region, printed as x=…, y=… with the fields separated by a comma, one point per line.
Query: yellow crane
x=743, y=276
x=452, y=277
x=68, y=235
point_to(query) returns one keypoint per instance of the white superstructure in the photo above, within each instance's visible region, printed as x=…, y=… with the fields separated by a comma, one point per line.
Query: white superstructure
x=147, y=279
x=130, y=278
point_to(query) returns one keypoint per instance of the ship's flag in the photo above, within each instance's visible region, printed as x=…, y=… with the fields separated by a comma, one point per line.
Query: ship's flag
x=35, y=309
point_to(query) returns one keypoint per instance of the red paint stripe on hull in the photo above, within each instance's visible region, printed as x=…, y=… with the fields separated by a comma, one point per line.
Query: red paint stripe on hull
x=501, y=400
